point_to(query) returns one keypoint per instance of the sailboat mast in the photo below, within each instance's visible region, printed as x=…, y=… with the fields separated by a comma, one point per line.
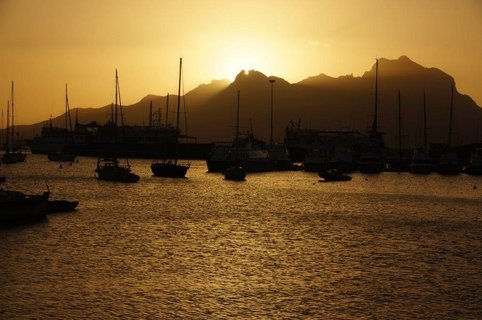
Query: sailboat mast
x=13, y=121
x=178, y=105
x=7, y=146
x=116, y=95
x=68, y=122
x=451, y=115
x=271, y=81
x=178, y=99
x=167, y=109
x=68, y=117
x=375, y=115
x=399, y=126
x=424, y=122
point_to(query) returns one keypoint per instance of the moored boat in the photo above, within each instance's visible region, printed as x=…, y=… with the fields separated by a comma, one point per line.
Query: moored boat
x=172, y=168
x=16, y=206
x=246, y=152
x=109, y=169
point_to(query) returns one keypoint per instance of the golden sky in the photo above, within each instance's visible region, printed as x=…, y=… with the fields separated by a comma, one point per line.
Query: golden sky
x=47, y=43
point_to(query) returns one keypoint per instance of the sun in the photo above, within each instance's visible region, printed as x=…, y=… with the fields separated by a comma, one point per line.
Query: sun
x=238, y=56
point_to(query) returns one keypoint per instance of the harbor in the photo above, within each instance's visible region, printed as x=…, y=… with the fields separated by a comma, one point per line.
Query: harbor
x=281, y=243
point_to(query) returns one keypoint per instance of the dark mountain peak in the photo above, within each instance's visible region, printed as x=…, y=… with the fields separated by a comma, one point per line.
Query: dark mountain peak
x=150, y=97
x=214, y=84
x=404, y=67
x=250, y=75
x=319, y=80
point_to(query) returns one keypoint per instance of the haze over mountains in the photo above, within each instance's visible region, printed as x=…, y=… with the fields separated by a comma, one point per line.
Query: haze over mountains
x=320, y=102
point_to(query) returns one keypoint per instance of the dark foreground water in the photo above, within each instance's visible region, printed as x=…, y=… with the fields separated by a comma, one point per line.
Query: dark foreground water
x=278, y=246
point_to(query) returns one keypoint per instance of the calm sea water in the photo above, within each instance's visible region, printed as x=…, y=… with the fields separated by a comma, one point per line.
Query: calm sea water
x=281, y=245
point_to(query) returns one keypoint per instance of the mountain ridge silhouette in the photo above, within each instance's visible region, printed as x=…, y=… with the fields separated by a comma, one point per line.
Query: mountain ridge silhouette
x=321, y=102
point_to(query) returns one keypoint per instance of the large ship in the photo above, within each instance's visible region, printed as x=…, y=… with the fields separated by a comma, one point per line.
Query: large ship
x=93, y=139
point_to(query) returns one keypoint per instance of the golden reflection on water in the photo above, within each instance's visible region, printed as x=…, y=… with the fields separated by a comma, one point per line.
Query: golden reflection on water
x=280, y=245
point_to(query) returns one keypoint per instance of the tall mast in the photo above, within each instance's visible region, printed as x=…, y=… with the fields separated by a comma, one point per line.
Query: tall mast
x=116, y=95
x=7, y=142
x=375, y=115
x=68, y=118
x=13, y=121
x=178, y=105
x=178, y=99
x=66, y=102
x=424, y=122
x=271, y=132
x=167, y=109
x=451, y=116
x=399, y=126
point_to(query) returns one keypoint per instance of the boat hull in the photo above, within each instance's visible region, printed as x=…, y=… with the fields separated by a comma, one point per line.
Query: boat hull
x=116, y=173
x=169, y=170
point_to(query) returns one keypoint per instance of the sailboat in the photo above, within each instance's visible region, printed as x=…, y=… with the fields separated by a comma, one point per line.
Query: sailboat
x=421, y=162
x=12, y=155
x=370, y=160
x=245, y=151
x=449, y=161
x=63, y=155
x=235, y=172
x=171, y=168
x=109, y=168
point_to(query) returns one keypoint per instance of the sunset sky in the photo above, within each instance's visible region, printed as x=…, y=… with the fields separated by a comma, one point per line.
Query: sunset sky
x=47, y=43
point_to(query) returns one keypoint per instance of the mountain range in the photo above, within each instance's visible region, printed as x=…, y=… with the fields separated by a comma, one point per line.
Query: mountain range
x=319, y=102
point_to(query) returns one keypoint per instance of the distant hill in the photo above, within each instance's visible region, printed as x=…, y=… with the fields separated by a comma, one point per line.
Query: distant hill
x=321, y=102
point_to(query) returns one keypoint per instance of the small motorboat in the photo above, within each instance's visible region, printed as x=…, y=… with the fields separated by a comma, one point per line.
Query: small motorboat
x=334, y=175
x=56, y=206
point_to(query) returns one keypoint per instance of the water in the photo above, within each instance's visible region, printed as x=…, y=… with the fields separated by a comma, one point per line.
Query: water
x=279, y=246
